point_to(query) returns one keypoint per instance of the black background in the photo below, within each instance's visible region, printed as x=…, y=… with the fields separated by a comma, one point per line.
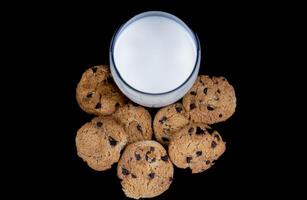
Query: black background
x=88, y=43
x=67, y=39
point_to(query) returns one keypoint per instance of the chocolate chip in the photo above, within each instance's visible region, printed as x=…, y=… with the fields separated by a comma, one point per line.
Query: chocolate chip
x=112, y=141
x=192, y=106
x=178, y=109
x=98, y=105
x=133, y=176
x=163, y=119
x=205, y=90
x=199, y=131
x=217, y=137
x=189, y=158
x=201, y=82
x=193, y=93
x=199, y=153
x=148, y=159
x=139, y=128
x=94, y=69
x=170, y=179
x=164, y=158
x=220, y=115
x=89, y=95
x=117, y=105
x=151, y=175
x=216, y=98
x=223, y=79
x=213, y=144
x=152, y=148
x=125, y=171
x=210, y=108
x=165, y=139
x=207, y=162
x=191, y=130
x=218, y=91
x=137, y=156
x=99, y=124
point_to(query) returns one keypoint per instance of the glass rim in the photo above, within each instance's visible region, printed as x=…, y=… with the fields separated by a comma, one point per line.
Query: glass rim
x=146, y=14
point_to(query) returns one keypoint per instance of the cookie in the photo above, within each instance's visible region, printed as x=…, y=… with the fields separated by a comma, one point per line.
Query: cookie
x=169, y=120
x=210, y=100
x=196, y=146
x=97, y=93
x=145, y=170
x=136, y=121
x=100, y=141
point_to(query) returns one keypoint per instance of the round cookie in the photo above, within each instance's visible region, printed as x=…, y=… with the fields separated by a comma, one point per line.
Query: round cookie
x=97, y=93
x=196, y=146
x=169, y=120
x=100, y=141
x=136, y=121
x=145, y=170
x=210, y=100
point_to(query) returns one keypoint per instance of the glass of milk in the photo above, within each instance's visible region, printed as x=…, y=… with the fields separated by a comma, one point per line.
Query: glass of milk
x=154, y=58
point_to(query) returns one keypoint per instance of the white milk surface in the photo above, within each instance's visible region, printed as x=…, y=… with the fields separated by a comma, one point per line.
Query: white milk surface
x=155, y=54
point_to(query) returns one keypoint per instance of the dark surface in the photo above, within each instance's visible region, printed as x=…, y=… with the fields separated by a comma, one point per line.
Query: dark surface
x=71, y=39
x=90, y=43
x=86, y=40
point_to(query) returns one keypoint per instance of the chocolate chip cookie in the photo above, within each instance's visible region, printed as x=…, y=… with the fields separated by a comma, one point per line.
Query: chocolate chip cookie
x=145, y=170
x=100, y=141
x=210, y=100
x=136, y=121
x=196, y=146
x=169, y=120
x=97, y=93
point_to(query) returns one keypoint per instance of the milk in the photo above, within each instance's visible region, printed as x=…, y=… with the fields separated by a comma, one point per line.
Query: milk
x=155, y=54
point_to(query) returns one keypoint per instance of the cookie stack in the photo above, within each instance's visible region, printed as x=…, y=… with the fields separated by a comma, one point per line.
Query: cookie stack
x=145, y=167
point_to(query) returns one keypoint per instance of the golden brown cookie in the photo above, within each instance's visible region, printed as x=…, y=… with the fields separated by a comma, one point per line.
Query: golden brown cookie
x=196, y=146
x=145, y=170
x=169, y=120
x=100, y=141
x=136, y=121
x=97, y=93
x=210, y=100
